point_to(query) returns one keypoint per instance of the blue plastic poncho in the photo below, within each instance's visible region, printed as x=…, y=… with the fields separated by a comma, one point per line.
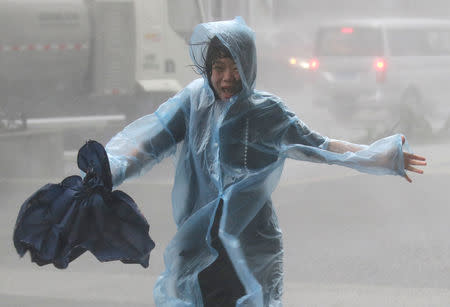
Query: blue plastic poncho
x=232, y=151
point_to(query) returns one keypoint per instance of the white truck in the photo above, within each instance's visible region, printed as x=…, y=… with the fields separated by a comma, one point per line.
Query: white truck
x=75, y=57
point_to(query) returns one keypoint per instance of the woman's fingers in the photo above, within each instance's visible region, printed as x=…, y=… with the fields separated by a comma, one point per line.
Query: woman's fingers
x=407, y=178
x=415, y=162
x=413, y=169
x=412, y=159
x=413, y=156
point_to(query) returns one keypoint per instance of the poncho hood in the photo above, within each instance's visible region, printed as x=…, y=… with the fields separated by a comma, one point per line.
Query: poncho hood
x=238, y=38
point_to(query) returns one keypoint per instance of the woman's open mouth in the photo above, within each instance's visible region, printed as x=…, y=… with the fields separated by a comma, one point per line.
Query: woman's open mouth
x=228, y=92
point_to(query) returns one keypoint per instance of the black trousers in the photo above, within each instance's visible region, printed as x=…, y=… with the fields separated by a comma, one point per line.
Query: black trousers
x=219, y=282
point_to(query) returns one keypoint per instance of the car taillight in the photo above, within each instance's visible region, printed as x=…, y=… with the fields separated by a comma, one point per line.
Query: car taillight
x=380, y=64
x=347, y=30
x=380, y=69
x=313, y=64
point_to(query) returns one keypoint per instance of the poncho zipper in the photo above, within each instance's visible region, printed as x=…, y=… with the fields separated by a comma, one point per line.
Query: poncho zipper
x=245, y=144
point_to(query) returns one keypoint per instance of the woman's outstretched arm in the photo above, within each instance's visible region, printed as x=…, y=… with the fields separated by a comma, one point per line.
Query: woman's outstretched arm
x=409, y=158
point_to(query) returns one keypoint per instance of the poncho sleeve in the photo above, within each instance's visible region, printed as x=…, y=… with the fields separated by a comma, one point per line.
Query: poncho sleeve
x=149, y=139
x=382, y=157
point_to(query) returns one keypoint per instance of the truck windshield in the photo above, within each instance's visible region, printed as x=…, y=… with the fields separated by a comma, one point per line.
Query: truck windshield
x=349, y=41
x=419, y=42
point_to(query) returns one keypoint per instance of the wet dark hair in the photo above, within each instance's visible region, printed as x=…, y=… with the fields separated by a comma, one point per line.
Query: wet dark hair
x=214, y=50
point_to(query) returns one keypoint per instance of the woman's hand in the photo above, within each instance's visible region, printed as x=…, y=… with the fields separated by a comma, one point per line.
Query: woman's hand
x=412, y=159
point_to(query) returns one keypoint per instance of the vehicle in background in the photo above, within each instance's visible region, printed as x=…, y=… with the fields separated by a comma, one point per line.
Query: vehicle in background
x=284, y=52
x=76, y=57
x=390, y=73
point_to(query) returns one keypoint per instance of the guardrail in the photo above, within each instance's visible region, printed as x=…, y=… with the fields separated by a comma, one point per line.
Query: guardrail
x=75, y=121
x=46, y=146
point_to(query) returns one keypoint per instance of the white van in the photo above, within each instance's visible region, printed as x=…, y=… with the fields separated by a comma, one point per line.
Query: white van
x=393, y=73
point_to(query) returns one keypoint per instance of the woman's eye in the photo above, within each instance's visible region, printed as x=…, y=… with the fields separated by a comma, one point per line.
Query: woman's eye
x=218, y=68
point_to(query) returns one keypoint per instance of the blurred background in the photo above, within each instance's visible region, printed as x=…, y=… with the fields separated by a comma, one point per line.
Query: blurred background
x=73, y=70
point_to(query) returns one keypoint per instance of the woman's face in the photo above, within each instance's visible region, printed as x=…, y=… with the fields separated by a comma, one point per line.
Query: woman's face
x=225, y=78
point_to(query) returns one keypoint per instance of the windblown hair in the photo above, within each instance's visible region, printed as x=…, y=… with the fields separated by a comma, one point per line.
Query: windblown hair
x=214, y=50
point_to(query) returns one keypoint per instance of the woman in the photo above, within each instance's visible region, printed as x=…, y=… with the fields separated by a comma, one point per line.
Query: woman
x=233, y=143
